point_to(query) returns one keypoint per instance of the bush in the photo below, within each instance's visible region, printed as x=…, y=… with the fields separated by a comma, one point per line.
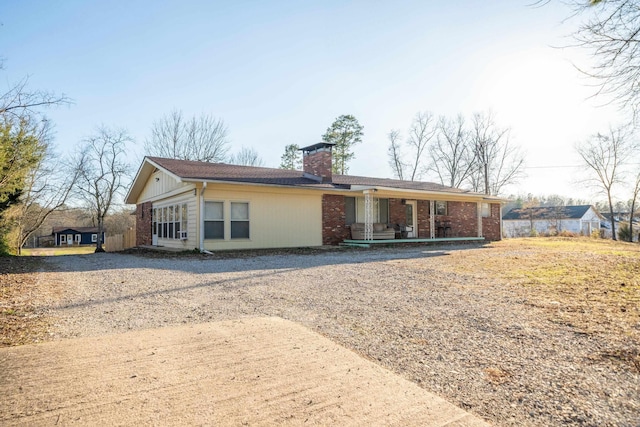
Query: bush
x=565, y=233
x=623, y=232
x=533, y=233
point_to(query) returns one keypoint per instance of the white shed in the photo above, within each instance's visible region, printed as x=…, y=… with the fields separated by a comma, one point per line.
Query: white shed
x=583, y=219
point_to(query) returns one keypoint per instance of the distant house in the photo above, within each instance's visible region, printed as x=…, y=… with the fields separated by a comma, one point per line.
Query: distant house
x=583, y=219
x=217, y=206
x=69, y=236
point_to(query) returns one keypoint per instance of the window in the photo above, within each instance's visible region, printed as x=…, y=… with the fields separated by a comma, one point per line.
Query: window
x=78, y=238
x=63, y=238
x=170, y=222
x=239, y=220
x=154, y=221
x=94, y=238
x=214, y=220
x=486, y=210
x=165, y=217
x=183, y=218
x=441, y=207
x=354, y=210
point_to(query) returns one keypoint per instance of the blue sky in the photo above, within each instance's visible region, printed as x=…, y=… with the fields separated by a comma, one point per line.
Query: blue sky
x=280, y=72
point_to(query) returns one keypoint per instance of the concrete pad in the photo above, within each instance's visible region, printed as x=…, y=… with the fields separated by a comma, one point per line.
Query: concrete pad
x=259, y=371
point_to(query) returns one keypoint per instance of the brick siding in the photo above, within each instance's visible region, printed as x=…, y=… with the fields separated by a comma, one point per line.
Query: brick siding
x=143, y=224
x=318, y=163
x=334, y=229
x=464, y=218
x=491, y=225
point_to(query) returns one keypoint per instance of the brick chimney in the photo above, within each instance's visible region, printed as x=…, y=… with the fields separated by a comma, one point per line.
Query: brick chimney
x=316, y=161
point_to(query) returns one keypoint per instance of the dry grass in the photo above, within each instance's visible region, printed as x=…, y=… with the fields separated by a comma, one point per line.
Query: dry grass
x=57, y=251
x=591, y=284
x=21, y=320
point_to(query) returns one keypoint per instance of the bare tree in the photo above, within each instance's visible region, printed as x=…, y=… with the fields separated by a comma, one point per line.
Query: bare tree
x=202, y=138
x=395, y=155
x=634, y=199
x=422, y=131
x=498, y=162
x=611, y=33
x=246, y=157
x=605, y=155
x=102, y=168
x=452, y=156
x=20, y=102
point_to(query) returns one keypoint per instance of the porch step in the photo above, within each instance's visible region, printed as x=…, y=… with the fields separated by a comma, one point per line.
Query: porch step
x=355, y=244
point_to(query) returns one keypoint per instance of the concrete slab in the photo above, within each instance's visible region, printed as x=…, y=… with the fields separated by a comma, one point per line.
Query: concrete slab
x=258, y=371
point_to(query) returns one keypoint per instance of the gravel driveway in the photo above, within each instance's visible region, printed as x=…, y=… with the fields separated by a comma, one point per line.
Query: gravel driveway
x=475, y=343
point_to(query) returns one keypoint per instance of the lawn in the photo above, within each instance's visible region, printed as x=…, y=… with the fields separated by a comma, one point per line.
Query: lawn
x=591, y=284
x=73, y=250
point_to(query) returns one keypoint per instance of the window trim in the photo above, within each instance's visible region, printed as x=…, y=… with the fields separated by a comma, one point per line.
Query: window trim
x=247, y=220
x=218, y=220
x=94, y=238
x=446, y=207
x=486, y=214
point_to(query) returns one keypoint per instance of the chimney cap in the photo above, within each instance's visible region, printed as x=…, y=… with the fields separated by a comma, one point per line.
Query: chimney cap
x=318, y=146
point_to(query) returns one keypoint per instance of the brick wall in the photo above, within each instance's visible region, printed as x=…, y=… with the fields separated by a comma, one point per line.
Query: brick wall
x=423, y=219
x=464, y=219
x=491, y=225
x=397, y=212
x=334, y=229
x=143, y=224
x=318, y=163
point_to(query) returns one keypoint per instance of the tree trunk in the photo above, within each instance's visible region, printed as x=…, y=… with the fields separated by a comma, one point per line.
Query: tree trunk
x=633, y=207
x=613, y=220
x=99, y=242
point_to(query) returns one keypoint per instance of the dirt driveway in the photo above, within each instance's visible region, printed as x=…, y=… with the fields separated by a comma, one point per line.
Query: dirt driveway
x=257, y=371
x=507, y=332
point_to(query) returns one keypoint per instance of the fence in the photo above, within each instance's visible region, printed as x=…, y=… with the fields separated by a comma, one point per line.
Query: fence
x=120, y=242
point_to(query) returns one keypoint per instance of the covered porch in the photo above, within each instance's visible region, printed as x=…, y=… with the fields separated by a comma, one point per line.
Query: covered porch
x=418, y=217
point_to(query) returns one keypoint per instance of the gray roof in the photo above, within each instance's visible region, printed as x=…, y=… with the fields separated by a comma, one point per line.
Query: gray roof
x=548, y=212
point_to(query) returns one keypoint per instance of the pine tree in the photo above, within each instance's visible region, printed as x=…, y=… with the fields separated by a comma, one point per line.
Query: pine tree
x=292, y=158
x=345, y=132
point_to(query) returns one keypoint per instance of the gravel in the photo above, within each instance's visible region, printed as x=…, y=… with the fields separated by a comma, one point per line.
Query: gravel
x=477, y=343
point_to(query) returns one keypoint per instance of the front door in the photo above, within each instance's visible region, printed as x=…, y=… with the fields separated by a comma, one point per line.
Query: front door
x=69, y=239
x=412, y=218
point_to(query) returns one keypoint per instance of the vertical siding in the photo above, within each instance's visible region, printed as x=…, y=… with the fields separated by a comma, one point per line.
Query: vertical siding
x=165, y=184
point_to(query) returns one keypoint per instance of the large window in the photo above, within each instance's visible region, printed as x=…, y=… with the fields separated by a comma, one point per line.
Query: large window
x=239, y=220
x=441, y=207
x=354, y=210
x=214, y=220
x=169, y=221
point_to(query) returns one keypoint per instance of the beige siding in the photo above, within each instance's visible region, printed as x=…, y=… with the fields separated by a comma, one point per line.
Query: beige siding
x=192, y=207
x=277, y=218
x=165, y=184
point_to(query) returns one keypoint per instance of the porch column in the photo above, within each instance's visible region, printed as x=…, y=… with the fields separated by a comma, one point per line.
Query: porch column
x=479, y=210
x=368, y=215
x=432, y=220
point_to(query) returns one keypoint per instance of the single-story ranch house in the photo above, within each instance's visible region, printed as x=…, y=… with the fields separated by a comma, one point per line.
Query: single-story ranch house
x=68, y=236
x=583, y=219
x=217, y=206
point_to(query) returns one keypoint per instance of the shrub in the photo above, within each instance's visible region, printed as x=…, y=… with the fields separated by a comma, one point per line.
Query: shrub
x=565, y=233
x=533, y=233
x=623, y=232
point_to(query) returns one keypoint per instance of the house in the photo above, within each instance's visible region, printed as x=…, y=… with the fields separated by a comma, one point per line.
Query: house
x=68, y=236
x=217, y=206
x=520, y=222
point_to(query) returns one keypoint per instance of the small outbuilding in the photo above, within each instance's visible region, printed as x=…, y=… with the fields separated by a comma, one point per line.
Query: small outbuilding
x=523, y=222
x=69, y=236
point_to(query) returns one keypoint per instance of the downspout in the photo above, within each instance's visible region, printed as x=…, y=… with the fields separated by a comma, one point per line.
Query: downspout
x=201, y=232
